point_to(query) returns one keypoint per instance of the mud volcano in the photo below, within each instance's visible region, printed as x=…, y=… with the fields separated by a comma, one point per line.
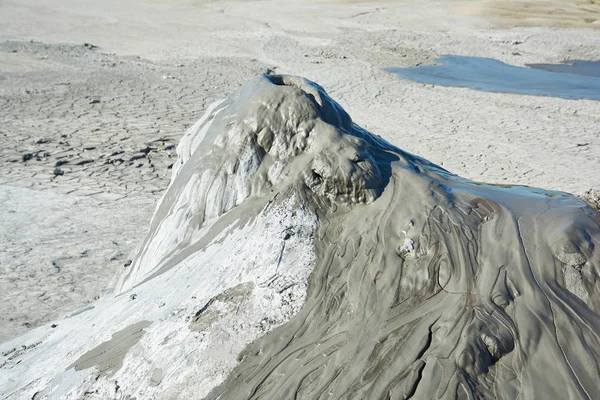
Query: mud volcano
x=297, y=256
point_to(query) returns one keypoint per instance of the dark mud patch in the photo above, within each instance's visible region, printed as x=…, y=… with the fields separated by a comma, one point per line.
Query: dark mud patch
x=109, y=355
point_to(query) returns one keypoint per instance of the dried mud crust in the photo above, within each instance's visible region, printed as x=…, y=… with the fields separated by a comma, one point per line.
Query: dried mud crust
x=88, y=141
x=86, y=122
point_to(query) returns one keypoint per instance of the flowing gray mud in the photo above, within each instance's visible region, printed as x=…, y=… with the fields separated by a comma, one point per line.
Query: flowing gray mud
x=427, y=285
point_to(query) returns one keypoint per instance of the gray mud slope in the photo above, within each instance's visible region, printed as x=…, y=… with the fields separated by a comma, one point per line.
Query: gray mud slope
x=427, y=285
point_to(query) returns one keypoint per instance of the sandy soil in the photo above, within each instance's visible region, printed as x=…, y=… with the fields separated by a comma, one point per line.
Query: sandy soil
x=561, y=13
x=94, y=95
